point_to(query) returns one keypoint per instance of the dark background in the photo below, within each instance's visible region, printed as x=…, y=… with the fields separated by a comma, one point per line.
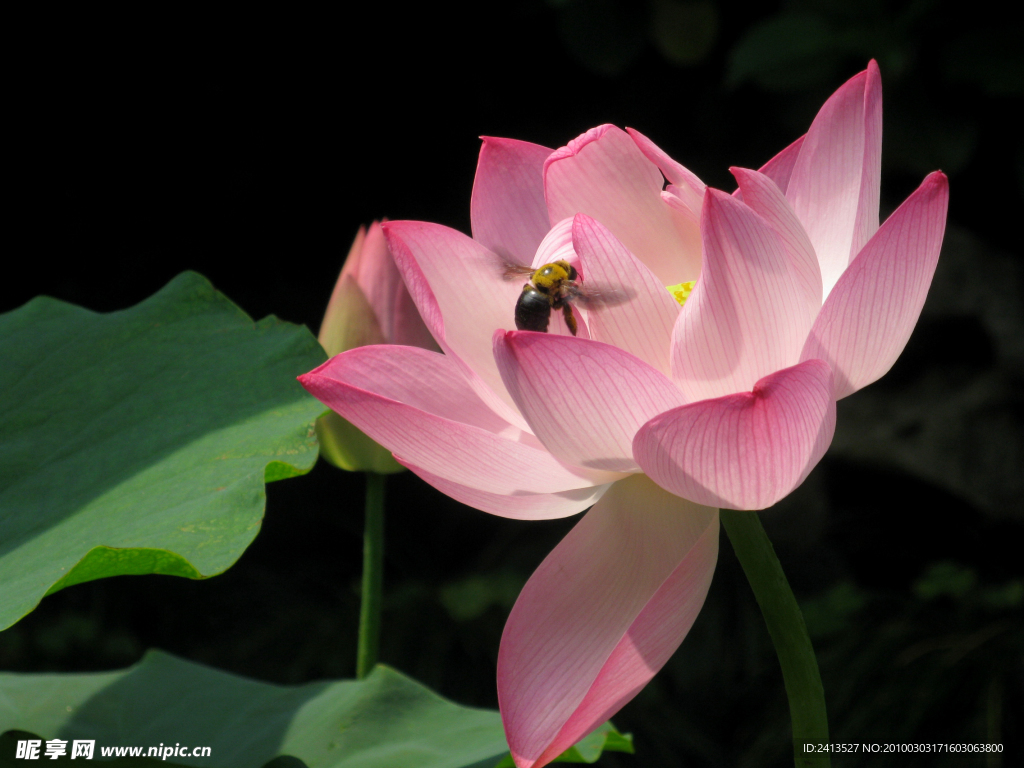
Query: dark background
x=250, y=147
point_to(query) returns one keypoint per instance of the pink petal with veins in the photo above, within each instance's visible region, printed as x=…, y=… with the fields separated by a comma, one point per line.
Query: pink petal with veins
x=601, y=615
x=584, y=399
x=834, y=181
x=507, y=211
x=556, y=245
x=640, y=314
x=684, y=202
x=871, y=176
x=461, y=293
x=870, y=314
x=605, y=175
x=780, y=168
x=519, y=506
x=676, y=173
x=767, y=200
x=747, y=316
x=746, y=450
x=418, y=405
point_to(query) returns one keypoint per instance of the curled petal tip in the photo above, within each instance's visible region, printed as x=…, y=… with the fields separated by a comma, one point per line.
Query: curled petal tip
x=576, y=145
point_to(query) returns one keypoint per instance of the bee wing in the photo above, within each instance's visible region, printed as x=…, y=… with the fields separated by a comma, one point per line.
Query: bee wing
x=502, y=264
x=600, y=296
x=510, y=271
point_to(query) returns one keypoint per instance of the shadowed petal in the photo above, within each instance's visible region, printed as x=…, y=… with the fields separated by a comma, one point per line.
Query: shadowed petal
x=407, y=327
x=642, y=324
x=747, y=450
x=747, y=315
x=870, y=314
x=520, y=506
x=601, y=615
x=508, y=212
x=605, y=175
x=417, y=404
x=767, y=200
x=584, y=399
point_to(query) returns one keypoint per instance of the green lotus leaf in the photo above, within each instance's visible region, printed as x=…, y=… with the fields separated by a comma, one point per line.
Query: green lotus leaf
x=139, y=441
x=386, y=720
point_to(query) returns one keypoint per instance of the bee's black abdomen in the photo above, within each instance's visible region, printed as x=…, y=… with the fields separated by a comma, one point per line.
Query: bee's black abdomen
x=533, y=310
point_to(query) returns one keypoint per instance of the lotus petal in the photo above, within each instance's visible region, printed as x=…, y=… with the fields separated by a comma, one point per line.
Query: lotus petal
x=747, y=316
x=640, y=313
x=746, y=450
x=459, y=287
x=768, y=201
x=417, y=405
x=601, y=615
x=834, y=183
x=585, y=399
x=507, y=211
x=518, y=506
x=605, y=175
x=870, y=314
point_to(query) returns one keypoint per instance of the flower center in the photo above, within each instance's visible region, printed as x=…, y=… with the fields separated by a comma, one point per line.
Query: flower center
x=681, y=292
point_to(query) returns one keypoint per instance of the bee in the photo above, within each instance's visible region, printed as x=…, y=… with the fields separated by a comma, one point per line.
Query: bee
x=554, y=286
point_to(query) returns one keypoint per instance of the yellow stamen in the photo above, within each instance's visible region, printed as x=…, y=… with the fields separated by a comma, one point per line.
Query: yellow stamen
x=681, y=292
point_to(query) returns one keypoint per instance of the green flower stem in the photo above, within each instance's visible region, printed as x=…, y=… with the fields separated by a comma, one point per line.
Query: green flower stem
x=373, y=576
x=786, y=627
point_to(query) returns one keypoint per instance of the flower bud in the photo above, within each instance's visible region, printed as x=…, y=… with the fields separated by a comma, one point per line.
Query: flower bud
x=369, y=305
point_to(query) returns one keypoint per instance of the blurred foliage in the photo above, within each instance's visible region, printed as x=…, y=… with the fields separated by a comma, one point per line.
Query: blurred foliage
x=469, y=598
x=684, y=32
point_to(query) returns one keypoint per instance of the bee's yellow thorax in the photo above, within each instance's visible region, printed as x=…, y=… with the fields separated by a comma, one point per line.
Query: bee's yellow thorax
x=550, y=275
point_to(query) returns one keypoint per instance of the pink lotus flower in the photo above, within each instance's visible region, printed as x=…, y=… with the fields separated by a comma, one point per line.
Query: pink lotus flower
x=658, y=413
x=369, y=305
